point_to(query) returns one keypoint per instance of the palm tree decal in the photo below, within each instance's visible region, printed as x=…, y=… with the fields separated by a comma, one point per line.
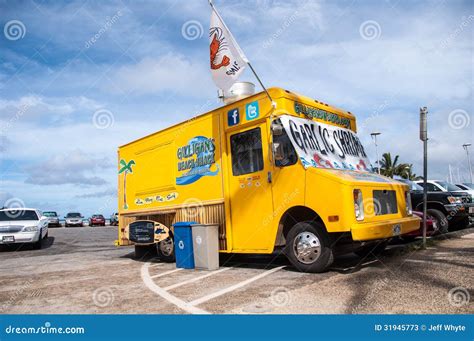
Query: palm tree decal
x=125, y=169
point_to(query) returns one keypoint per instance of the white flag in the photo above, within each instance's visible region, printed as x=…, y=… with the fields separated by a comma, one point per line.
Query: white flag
x=227, y=59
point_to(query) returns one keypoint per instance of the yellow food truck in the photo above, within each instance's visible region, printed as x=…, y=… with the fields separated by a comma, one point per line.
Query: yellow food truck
x=292, y=176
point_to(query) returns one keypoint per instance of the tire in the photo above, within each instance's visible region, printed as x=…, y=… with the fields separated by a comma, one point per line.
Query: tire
x=440, y=219
x=46, y=235
x=37, y=245
x=144, y=251
x=165, y=249
x=312, y=236
x=372, y=249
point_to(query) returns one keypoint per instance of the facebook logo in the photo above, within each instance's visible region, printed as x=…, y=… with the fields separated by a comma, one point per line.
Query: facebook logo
x=251, y=111
x=233, y=117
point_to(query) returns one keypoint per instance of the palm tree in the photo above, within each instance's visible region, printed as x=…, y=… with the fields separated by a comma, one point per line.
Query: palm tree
x=408, y=174
x=126, y=168
x=390, y=168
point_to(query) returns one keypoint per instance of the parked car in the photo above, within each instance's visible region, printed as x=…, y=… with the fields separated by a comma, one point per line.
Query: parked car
x=97, y=219
x=74, y=219
x=114, y=219
x=53, y=218
x=25, y=225
x=467, y=188
x=466, y=185
x=432, y=227
x=445, y=207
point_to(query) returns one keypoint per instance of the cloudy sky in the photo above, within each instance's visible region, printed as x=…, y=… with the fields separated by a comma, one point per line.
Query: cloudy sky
x=78, y=79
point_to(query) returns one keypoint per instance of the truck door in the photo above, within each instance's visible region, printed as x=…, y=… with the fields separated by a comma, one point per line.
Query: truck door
x=250, y=190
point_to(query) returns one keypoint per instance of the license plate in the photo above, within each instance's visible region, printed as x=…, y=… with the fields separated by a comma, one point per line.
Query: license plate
x=9, y=239
x=471, y=209
x=396, y=229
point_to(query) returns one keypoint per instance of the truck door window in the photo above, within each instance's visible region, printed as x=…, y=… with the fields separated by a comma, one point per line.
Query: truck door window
x=246, y=150
x=289, y=152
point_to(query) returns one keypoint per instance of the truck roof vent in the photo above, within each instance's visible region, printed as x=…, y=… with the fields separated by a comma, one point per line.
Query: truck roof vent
x=237, y=92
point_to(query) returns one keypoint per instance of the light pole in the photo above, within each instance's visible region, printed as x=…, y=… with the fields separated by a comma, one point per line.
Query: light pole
x=468, y=159
x=424, y=138
x=374, y=137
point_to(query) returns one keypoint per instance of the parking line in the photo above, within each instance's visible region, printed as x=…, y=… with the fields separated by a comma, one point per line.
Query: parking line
x=234, y=287
x=166, y=273
x=166, y=295
x=174, y=286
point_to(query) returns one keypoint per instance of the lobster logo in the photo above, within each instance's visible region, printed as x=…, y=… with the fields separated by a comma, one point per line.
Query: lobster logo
x=217, y=48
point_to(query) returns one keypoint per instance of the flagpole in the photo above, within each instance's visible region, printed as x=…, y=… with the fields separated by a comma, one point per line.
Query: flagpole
x=247, y=61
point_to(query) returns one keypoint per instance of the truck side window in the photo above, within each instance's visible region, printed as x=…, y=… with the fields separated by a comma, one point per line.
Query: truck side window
x=289, y=152
x=246, y=150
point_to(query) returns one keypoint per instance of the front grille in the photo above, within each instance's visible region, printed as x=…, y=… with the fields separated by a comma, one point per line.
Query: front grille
x=142, y=232
x=385, y=202
x=11, y=228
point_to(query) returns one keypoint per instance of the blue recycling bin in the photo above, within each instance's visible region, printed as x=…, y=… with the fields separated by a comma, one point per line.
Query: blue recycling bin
x=183, y=245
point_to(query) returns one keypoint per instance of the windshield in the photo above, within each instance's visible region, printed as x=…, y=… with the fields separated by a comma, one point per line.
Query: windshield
x=73, y=215
x=448, y=187
x=323, y=145
x=50, y=214
x=16, y=215
x=97, y=216
x=467, y=185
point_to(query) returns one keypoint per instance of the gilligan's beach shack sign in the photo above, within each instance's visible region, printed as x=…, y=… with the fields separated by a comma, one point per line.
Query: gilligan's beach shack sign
x=195, y=160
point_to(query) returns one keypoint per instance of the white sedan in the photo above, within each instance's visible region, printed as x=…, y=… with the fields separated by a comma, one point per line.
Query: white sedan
x=23, y=225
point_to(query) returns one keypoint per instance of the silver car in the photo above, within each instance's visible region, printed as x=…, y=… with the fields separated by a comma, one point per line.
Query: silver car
x=23, y=225
x=74, y=219
x=53, y=218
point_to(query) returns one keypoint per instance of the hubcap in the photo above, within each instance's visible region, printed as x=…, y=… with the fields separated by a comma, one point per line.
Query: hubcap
x=166, y=246
x=307, y=247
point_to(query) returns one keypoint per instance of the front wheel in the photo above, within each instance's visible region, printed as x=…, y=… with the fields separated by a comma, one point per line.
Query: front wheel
x=37, y=245
x=439, y=219
x=308, y=247
x=165, y=249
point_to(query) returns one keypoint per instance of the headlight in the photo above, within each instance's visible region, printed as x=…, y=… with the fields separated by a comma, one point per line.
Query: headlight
x=408, y=203
x=30, y=228
x=454, y=200
x=358, y=205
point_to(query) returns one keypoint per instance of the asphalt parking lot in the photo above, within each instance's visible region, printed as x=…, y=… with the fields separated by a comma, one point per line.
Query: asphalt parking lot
x=79, y=270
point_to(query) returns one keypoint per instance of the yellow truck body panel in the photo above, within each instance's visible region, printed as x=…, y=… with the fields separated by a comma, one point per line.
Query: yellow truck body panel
x=187, y=168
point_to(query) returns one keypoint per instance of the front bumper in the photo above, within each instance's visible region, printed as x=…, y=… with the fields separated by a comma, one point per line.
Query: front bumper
x=19, y=237
x=385, y=229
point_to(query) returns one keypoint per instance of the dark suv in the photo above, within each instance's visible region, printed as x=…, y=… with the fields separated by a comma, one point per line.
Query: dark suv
x=446, y=208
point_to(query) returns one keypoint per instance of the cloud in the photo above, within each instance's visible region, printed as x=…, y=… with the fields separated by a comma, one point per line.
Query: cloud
x=171, y=73
x=111, y=192
x=75, y=167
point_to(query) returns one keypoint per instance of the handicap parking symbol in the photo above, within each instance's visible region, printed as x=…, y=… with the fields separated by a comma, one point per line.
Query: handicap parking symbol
x=251, y=111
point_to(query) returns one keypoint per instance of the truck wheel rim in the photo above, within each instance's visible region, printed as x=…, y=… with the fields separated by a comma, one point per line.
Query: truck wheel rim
x=307, y=247
x=166, y=247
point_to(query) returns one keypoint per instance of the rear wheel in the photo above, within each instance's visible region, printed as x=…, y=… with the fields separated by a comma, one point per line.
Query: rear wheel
x=439, y=219
x=165, y=249
x=308, y=247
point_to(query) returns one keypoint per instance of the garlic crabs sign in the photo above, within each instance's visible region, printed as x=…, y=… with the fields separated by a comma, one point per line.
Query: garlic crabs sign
x=322, y=145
